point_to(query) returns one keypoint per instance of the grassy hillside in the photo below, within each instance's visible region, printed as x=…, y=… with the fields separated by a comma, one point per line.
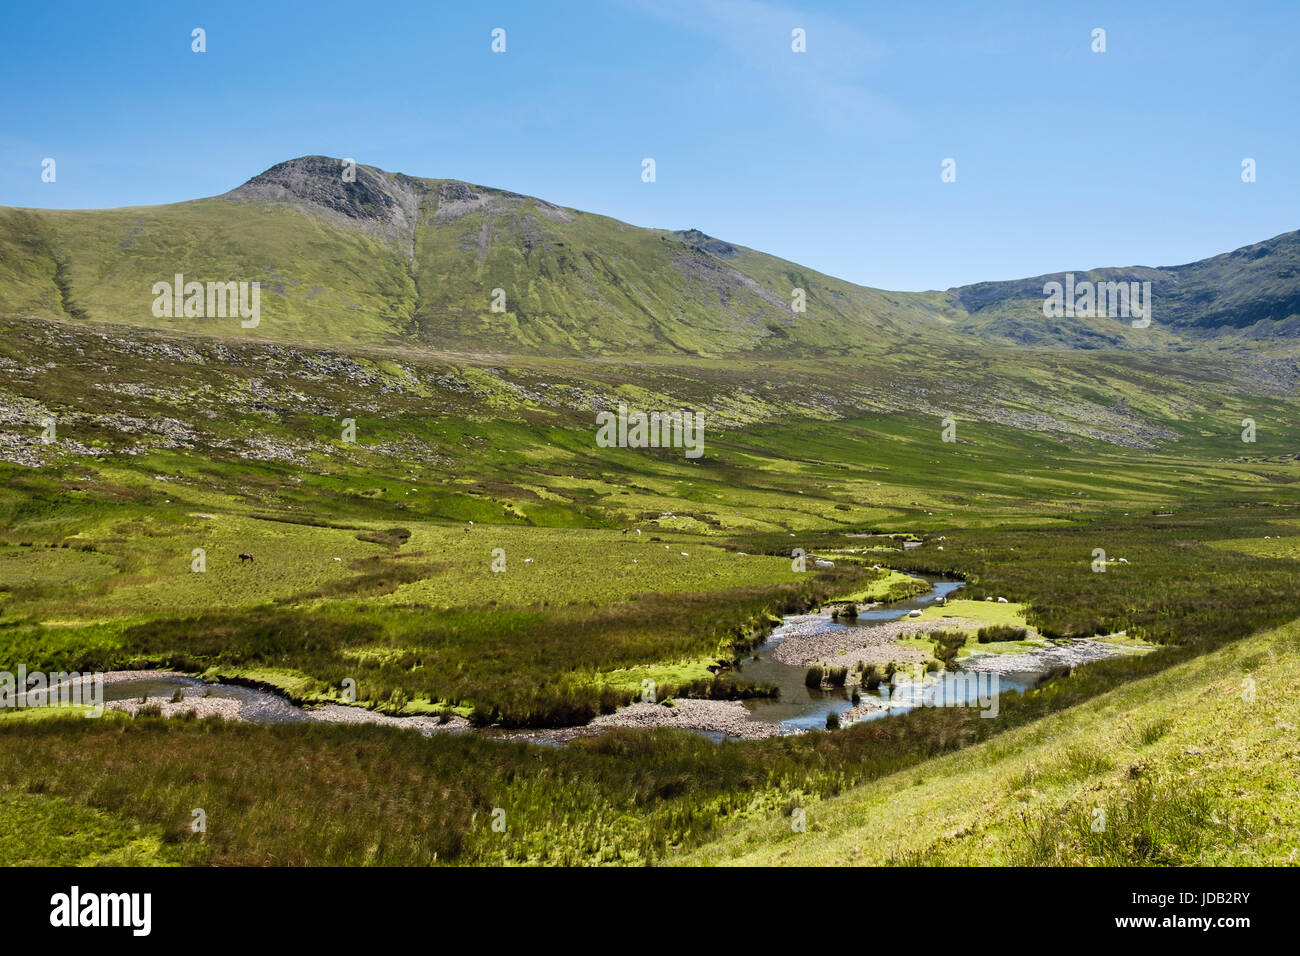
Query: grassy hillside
x=318, y=282
x=392, y=259
x=1187, y=768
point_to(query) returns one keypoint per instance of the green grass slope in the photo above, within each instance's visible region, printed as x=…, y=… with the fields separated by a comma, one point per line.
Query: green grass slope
x=580, y=283
x=318, y=283
x=386, y=258
x=1196, y=765
x=392, y=259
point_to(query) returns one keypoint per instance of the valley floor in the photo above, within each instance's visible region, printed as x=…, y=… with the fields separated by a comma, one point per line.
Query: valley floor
x=474, y=557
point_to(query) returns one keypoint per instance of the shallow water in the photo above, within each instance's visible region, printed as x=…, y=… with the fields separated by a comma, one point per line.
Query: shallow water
x=259, y=706
x=803, y=708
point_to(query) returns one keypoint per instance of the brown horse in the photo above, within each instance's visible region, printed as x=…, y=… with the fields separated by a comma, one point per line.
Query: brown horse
x=246, y=557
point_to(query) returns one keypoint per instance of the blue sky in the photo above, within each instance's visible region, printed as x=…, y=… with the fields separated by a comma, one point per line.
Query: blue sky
x=1066, y=158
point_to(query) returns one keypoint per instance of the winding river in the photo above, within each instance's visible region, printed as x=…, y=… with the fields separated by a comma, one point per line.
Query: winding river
x=797, y=708
x=803, y=708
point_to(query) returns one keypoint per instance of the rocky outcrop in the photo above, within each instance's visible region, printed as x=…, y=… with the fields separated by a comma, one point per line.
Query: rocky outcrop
x=374, y=201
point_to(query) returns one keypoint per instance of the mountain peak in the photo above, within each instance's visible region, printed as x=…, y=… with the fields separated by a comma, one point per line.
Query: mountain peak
x=347, y=193
x=706, y=243
x=351, y=195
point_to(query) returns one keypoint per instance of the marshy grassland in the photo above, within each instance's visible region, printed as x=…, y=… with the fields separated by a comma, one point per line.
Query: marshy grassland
x=1167, y=738
x=373, y=561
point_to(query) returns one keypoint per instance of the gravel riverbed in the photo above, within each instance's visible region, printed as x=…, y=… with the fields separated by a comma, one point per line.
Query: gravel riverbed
x=814, y=638
x=1070, y=653
x=727, y=717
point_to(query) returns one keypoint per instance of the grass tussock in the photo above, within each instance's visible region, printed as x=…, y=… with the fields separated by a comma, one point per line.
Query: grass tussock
x=1164, y=822
x=1000, y=632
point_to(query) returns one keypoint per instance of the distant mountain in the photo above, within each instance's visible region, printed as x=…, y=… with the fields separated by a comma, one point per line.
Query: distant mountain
x=386, y=258
x=1252, y=293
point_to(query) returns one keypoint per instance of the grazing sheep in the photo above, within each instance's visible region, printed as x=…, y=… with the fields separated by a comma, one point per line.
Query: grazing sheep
x=1003, y=600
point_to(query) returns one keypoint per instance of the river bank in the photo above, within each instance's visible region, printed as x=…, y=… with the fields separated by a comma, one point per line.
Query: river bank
x=802, y=640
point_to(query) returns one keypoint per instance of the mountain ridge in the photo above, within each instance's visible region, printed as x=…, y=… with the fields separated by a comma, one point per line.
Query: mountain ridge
x=379, y=256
